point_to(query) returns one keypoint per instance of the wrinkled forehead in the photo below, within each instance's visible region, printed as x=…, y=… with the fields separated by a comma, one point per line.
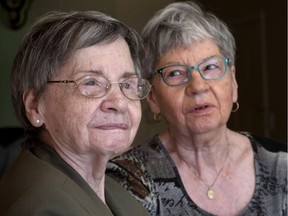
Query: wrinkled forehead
x=201, y=49
x=112, y=60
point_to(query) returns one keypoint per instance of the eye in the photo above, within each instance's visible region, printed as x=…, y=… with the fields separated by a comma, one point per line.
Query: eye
x=210, y=67
x=95, y=82
x=175, y=71
x=93, y=85
x=89, y=82
x=126, y=85
x=175, y=74
x=130, y=83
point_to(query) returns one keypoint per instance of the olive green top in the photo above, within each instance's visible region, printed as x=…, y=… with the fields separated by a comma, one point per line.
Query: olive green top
x=41, y=183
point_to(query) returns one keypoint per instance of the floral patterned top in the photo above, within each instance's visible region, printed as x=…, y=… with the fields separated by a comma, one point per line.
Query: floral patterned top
x=150, y=175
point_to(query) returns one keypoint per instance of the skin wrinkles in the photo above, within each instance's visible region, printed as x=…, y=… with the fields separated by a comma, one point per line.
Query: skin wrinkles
x=99, y=72
x=198, y=92
x=197, y=113
x=93, y=129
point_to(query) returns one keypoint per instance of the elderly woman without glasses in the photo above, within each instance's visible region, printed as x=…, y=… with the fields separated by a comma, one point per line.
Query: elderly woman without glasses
x=76, y=87
x=198, y=166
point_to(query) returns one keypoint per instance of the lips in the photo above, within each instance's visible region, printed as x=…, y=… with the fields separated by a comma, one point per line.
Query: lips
x=201, y=108
x=113, y=126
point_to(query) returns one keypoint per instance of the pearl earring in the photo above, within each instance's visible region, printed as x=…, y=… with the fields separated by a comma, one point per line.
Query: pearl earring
x=37, y=121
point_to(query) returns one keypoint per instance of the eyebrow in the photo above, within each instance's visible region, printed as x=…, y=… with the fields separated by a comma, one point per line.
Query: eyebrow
x=213, y=56
x=100, y=73
x=175, y=63
x=128, y=74
x=96, y=72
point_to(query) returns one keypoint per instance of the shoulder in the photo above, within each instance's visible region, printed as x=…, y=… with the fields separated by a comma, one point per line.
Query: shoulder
x=37, y=188
x=268, y=148
x=270, y=161
x=39, y=200
x=29, y=169
x=270, y=144
x=266, y=143
x=271, y=155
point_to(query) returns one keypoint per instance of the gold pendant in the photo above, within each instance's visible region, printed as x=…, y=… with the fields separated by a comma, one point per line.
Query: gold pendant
x=210, y=193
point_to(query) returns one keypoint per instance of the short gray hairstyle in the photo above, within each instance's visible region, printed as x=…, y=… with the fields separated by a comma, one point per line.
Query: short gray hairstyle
x=51, y=42
x=181, y=24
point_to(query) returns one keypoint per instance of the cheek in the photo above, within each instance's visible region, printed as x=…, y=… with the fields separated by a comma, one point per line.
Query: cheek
x=64, y=111
x=165, y=96
x=227, y=95
x=171, y=103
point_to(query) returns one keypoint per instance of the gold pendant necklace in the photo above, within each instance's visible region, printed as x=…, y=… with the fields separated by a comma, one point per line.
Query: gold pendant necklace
x=210, y=191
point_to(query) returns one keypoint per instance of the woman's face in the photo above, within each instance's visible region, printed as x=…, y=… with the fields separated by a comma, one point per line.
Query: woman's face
x=88, y=126
x=198, y=106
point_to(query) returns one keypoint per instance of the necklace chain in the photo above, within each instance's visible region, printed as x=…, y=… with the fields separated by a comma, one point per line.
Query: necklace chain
x=210, y=191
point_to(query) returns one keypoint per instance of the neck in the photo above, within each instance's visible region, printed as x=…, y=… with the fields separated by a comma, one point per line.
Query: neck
x=206, y=161
x=200, y=151
x=217, y=173
x=92, y=170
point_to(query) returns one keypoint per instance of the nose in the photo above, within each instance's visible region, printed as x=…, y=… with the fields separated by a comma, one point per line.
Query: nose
x=197, y=84
x=114, y=100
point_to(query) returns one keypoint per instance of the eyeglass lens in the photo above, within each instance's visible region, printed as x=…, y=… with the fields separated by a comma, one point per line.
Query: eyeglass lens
x=97, y=86
x=212, y=69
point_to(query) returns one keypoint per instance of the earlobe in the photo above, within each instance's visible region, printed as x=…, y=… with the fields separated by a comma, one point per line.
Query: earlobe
x=32, y=108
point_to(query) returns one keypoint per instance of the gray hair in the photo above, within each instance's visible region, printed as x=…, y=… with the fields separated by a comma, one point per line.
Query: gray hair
x=52, y=41
x=181, y=24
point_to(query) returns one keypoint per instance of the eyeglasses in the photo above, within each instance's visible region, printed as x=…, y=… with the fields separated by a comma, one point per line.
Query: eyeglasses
x=95, y=86
x=211, y=69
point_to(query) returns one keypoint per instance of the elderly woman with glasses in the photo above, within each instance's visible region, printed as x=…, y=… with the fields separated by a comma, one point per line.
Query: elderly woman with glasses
x=76, y=88
x=198, y=166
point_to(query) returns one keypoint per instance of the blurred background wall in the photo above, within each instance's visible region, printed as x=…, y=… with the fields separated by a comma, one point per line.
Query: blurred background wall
x=260, y=29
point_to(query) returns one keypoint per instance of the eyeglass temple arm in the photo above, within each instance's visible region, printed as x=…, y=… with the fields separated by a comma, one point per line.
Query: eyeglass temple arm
x=61, y=81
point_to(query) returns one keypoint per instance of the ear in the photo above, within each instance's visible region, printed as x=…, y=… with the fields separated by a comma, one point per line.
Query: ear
x=152, y=101
x=32, y=108
x=234, y=84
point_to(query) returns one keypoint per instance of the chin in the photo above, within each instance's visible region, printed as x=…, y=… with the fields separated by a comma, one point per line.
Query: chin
x=120, y=146
x=203, y=128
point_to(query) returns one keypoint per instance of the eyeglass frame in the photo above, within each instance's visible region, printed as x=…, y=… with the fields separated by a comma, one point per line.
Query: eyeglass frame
x=108, y=87
x=191, y=68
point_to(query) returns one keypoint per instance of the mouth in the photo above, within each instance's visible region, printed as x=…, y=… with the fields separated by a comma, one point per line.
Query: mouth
x=201, y=108
x=113, y=126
